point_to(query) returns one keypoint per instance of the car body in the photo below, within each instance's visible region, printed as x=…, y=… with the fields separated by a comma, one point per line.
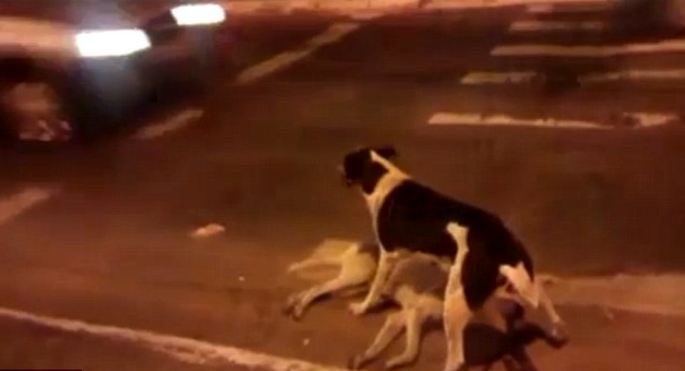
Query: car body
x=72, y=67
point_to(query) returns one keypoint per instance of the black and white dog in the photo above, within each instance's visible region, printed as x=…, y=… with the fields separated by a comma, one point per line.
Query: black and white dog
x=406, y=215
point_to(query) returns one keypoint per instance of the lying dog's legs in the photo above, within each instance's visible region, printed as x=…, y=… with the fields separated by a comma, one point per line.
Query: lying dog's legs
x=298, y=303
x=314, y=263
x=413, y=322
x=391, y=328
x=386, y=261
x=356, y=268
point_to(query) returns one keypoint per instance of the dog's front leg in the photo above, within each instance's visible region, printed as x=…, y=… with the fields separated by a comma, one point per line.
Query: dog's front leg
x=386, y=261
x=457, y=315
x=456, y=311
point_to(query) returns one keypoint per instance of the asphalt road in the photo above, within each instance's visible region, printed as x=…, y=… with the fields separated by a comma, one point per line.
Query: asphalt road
x=101, y=233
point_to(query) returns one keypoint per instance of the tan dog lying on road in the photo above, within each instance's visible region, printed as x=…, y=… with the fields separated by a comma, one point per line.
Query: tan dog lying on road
x=417, y=285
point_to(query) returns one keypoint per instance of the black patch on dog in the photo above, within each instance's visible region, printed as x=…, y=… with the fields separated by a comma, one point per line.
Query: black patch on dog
x=415, y=217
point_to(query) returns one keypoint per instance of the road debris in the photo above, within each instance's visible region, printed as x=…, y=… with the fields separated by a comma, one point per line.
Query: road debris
x=208, y=230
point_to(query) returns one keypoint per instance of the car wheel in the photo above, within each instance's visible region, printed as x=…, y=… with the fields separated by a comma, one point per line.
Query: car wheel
x=36, y=113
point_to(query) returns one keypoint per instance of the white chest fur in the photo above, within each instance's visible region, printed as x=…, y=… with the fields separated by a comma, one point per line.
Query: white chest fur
x=386, y=184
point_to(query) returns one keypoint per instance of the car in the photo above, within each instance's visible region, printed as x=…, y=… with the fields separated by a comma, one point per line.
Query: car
x=70, y=68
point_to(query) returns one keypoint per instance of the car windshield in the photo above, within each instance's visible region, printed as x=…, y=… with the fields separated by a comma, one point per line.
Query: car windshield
x=342, y=184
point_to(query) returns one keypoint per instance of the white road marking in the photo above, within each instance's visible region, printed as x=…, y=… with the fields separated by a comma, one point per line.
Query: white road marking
x=588, y=51
x=283, y=60
x=18, y=203
x=531, y=4
x=630, y=120
x=651, y=294
x=634, y=75
x=366, y=15
x=511, y=77
x=183, y=349
x=554, y=26
x=570, y=7
x=641, y=120
x=527, y=77
x=477, y=119
x=176, y=122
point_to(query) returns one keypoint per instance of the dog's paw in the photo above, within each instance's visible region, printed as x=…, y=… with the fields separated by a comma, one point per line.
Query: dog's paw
x=358, y=308
x=292, y=308
x=558, y=337
x=394, y=363
x=356, y=362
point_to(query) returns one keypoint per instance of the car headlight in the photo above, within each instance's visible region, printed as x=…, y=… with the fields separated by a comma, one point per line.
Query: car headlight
x=111, y=43
x=198, y=14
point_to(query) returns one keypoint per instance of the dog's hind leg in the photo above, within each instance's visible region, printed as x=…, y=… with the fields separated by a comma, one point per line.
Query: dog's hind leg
x=392, y=327
x=413, y=322
x=543, y=300
x=522, y=283
x=551, y=312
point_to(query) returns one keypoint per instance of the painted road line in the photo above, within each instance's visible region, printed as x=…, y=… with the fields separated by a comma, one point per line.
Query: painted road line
x=533, y=4
x=180, y=348
x=477, y=119
x=500, y=78
x=630, y=120
x=588, y=51
x=633, y=75
x=333, y=33
x=177, y=121
x=528, y=77
x=22, y=201
x=642, y=120
x=650, y=294
x=570, y=7
x=557, y=26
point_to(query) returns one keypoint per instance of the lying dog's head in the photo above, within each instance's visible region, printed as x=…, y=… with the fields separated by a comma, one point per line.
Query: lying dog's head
x=362, y=167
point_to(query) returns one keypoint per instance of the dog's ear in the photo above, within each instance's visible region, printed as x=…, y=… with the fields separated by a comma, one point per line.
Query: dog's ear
x=388, y=152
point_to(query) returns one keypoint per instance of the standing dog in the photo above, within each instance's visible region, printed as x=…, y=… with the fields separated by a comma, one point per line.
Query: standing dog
x=408, y=215
x=417, y=285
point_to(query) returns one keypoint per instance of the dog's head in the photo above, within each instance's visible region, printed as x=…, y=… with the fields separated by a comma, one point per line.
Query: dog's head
x=363, y=168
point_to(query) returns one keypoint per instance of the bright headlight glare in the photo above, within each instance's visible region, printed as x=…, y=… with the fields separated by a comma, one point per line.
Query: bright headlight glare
x=111, y=43
x=198, y=14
